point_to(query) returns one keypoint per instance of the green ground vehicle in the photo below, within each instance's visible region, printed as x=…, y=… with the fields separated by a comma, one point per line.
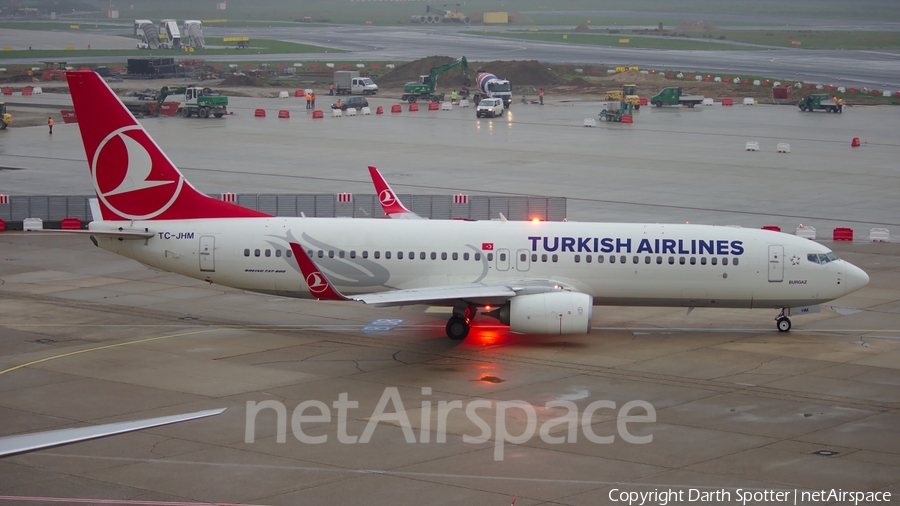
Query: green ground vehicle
x=673, y=96
x=613, y=111
x=820, y=102
x=425, y=88
x=5, y=117
x=200, y=101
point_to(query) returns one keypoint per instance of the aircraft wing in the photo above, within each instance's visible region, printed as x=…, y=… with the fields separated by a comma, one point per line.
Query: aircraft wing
x=435, y=294
x=12, y=445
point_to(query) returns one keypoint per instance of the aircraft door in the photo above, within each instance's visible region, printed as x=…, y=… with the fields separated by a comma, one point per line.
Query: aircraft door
x=503, y=259
x=207, y=253
x=776, y=264
x=522, y=261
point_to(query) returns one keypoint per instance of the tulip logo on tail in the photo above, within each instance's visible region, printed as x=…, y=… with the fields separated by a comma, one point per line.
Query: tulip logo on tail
x=387, y=197
x=125, y=179
x=316, y=284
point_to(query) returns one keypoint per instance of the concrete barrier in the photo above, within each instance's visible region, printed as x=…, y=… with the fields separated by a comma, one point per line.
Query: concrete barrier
x=283, y=94
x=751, y=146
x=32, y=224
x=783, y=147
x=880, y=235
x=590, y=122
x=708, y=101
x=749, y=101
x=351, y=111
x=366, y=111
x=805, y=232
x=336, y=113
x=465, y=103
x=446, y=106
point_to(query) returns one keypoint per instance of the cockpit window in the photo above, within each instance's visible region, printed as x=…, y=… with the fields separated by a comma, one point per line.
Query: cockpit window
x=820, y=258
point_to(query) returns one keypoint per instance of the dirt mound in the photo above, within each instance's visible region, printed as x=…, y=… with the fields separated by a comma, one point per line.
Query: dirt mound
x=696, y=27
x=234, y=81
x=582, y=29
x=518, y=72
x=633, y=76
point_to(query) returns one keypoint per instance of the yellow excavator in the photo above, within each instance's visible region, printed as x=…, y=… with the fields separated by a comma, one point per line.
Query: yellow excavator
x=5, y=117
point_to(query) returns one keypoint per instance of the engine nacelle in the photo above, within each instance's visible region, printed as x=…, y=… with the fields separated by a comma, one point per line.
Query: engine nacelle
x=554, y=313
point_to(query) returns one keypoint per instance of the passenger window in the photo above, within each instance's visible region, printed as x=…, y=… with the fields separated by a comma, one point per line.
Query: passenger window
x=635, y=259
x=331, y=253
x=309, y=253
x=681, y=260
x=278, y=253
x=443, y=256
x=577, y=259
x=599, y=259
x=290, y=253
x=612, y=259
x=534, y=257
x=622, y=259
x=341, y=254
x=353, y=253
x=490, y=257
x=524, y=256
x=321, y=254
x=247, y=252
x=725, y=261
x=671, y=260
x=377, y=255
x=693, y=261
x=713, y=260
x=703, y=261
x=502, y=257
x=659, y=260
x=399, y=255
x=477, y=257
x=554, y=258
x=465, y=256
x=544, y=258
x=365, y=253
x=433, y=255
x=422, y=256
x=387, y=255
x=735, y=261
x=412, y=255
x=256, y=252
x=647, y=260
x=455, y=255
x=588, y=258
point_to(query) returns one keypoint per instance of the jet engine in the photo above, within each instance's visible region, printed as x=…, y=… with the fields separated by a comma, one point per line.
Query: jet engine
x=547, y=313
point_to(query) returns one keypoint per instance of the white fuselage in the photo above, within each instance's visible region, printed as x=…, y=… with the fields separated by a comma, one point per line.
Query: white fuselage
x=642, y=264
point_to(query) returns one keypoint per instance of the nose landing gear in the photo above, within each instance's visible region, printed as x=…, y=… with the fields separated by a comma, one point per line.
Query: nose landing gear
x=782, y=322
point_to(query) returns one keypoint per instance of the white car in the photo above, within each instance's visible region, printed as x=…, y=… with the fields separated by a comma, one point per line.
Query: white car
x=489, y=107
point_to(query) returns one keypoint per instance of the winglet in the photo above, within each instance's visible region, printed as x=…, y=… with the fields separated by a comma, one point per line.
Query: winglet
x=389, y=201
x=318, y=284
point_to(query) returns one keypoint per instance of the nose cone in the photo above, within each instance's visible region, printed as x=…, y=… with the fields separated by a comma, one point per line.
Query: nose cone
x=856, y=278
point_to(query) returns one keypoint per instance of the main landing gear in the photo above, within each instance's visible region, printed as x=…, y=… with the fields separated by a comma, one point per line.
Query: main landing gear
x=782, y=322
x=458, y=325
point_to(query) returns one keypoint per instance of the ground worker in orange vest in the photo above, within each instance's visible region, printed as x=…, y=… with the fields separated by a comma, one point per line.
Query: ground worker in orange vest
x=308, y=99
x=541, y=94
x=313, y=102
x=840, y=105
x=50, y=124
x=331, y=89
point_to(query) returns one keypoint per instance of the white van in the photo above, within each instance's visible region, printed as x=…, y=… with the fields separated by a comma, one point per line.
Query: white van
x=363, y=85
x=489, y=107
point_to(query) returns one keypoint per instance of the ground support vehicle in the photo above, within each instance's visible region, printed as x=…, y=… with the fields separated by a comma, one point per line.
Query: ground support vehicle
x=490, y=108
x=614, y=111
x=352, y=103
x=5, y=117
x=200, y=101
x=425, y=88
x=820, y=102
x=673, y=96
x=347, y=82
x=490, y=86
x=628, y=94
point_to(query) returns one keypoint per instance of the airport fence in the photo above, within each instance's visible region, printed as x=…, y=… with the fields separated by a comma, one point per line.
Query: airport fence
x=17, y=208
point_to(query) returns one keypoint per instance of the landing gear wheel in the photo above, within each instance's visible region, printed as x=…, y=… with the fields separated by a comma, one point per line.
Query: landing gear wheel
x=457, y=328
x=203, y=112
x=783, y=323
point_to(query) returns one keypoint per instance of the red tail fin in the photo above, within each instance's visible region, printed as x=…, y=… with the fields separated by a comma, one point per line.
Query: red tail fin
x=389, y=201
x=133, y=178
x=318, y=284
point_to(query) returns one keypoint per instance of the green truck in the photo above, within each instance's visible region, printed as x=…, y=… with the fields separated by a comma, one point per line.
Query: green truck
x=820, y=102
x=673, y=96
x=200, y=101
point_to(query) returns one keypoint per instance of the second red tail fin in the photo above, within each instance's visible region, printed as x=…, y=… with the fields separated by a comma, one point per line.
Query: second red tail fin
x=133, y=178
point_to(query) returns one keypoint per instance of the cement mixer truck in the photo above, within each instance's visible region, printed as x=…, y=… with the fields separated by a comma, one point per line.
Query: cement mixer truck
x=490, y=86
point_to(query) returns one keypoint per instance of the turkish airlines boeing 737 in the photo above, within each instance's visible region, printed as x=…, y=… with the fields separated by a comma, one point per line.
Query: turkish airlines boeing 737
x=541, y=277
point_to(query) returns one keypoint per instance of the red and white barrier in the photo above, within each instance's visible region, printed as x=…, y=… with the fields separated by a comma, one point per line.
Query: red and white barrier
x=4, y=199
x=229, y=197
x=345, y=197
x=460, y=199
